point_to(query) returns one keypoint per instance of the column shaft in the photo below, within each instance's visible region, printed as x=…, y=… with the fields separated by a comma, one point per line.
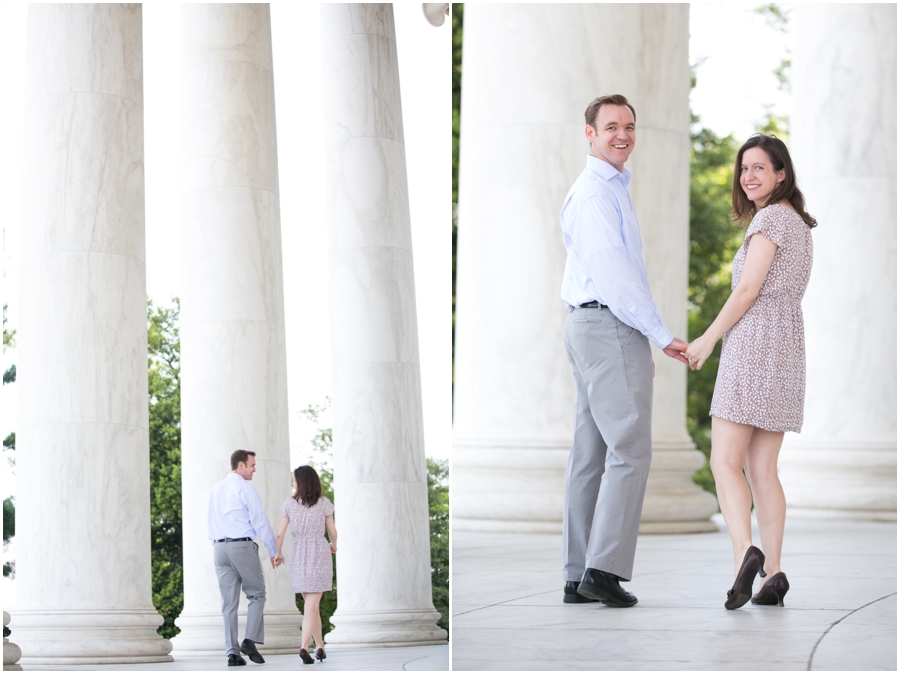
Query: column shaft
x=234, y=382
x=844, y=463
x=383, y=564
x=529, y=73
x=84, y=484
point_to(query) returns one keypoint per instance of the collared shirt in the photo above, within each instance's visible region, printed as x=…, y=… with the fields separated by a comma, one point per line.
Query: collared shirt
x=236, y=511
x=604, y=260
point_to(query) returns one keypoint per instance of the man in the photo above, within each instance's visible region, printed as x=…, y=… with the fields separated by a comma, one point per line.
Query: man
x=612, y=320
x=236, y=518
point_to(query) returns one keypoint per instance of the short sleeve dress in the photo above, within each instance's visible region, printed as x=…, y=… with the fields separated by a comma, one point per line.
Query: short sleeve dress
x=310, y=563
x=762, y=370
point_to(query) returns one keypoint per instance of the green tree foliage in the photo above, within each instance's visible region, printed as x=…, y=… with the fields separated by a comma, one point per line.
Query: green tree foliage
x=164, y=347
x=457, y=17
x=439, y=523
x=9, y=342
x=438, y=515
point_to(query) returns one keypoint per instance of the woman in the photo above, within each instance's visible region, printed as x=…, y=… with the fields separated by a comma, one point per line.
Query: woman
x=310, y=514
x=762, y=372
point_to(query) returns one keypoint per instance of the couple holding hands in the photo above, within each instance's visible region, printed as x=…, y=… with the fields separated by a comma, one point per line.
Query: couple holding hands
x=612, y=320
x=236, y=518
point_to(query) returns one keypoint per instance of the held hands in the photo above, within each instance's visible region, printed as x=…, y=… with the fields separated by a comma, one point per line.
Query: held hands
x=698, y=351
x=277, y=560
x=676, y=350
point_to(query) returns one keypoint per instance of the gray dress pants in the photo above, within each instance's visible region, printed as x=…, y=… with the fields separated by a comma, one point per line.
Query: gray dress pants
x=610, y=458
x=237, y=565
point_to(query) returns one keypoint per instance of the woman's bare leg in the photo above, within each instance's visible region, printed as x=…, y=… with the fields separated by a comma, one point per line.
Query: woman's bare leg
x=311, y=601
x=768, y=496
x=729, y=450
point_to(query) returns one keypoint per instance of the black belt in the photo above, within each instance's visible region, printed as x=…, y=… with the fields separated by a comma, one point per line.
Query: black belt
x=592, y=305
x=233, y=540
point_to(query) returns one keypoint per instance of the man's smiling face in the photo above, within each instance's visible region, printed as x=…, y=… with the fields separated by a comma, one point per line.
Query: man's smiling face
x=612, y=135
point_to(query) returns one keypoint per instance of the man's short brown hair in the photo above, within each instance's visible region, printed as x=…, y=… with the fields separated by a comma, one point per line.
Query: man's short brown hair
x=240, y=456
x=590, y=115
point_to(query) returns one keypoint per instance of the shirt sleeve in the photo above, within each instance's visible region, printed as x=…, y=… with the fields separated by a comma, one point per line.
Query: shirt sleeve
x=258, y=519
x=284, y=509
x=768, y=223
x=623, y=285
x=329, y=507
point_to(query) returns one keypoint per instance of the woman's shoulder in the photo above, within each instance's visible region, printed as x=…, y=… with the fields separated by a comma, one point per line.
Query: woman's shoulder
x=324, y=500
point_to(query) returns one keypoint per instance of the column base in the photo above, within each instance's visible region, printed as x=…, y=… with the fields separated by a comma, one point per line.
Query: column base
x=203, y=634
x=101, y=637
x=839, y=479
x=385, y=629
x=518, y=487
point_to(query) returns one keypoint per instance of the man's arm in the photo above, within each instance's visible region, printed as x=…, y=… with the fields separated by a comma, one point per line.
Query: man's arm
x=598, y=240
x=259, y=521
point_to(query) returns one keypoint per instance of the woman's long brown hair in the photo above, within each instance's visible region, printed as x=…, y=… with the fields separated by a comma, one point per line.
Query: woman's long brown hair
x=786, y=190
x=309, y=487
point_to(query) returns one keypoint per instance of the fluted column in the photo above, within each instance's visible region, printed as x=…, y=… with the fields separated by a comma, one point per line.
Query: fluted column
x=381, y=494
x=844, y=144
x=84, y=462
x=529, y=73
x=234, y=385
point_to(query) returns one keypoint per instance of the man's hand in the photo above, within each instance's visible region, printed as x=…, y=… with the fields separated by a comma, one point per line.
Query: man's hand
x=675, y=350
x=272, y=559
x=278, y=560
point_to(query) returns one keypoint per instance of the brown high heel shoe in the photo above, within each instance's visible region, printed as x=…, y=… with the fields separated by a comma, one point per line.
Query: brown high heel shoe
x=773, y=591
x=306, y=657
x=740, y=592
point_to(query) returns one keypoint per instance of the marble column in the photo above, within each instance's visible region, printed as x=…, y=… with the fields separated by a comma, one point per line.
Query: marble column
x=844, y=143
x=234, y=381
x=84, y=460
x=529, y=73
x=381, y=494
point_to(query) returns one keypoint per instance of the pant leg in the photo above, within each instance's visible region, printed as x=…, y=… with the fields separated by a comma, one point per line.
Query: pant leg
x=230, y=589
x=584, y=471
x=615, y=363
x=246, y=558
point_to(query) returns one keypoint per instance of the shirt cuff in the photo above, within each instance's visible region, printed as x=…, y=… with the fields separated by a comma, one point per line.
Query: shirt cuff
x=662, y=337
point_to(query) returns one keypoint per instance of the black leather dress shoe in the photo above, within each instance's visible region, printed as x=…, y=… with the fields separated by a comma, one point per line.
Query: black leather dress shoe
x=248, y=648
x=571, y=596
x=235, y=660
x=604, y=587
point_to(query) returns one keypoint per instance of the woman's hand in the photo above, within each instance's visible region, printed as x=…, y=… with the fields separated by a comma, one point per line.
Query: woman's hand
x=333, y=547
x=279, y=560
x=698, y=351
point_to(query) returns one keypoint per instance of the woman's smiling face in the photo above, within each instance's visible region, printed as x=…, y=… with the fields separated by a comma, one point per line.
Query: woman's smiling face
x=758, y=177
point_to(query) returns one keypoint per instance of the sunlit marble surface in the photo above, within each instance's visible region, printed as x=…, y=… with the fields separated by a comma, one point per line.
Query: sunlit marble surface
x=844, y=462
x=840, y=613
x=234, y=382
x=383, y=563
x=531, y=70
x=83, y=464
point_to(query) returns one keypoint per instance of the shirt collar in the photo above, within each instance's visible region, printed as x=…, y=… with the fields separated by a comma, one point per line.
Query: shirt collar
x=605, y=170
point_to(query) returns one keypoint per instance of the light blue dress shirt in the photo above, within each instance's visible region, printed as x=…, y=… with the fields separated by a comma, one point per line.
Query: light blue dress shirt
x=604, y=260
x=236, y=511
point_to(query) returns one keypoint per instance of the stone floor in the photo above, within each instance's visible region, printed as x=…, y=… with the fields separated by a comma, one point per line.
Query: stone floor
x=840, y=613
x=410, y=659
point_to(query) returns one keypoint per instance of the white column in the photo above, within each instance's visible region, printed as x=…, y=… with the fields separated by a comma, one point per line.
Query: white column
x=234, y=382
x=529, y=73
x=381, y=494
x=84, y=462
x=844, y=144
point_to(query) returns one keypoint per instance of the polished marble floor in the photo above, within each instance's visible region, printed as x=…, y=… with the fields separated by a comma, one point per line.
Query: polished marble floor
x=411, y=659
x=840, y=613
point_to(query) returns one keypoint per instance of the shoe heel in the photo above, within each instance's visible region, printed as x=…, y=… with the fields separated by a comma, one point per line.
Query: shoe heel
x=779, y=595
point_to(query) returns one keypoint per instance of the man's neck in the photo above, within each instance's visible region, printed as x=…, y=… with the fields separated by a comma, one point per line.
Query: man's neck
x=620, y=169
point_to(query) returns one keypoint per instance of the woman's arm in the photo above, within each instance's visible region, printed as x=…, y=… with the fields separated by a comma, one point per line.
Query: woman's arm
x=332, y=532
x=760, y=253
x=279, y=539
